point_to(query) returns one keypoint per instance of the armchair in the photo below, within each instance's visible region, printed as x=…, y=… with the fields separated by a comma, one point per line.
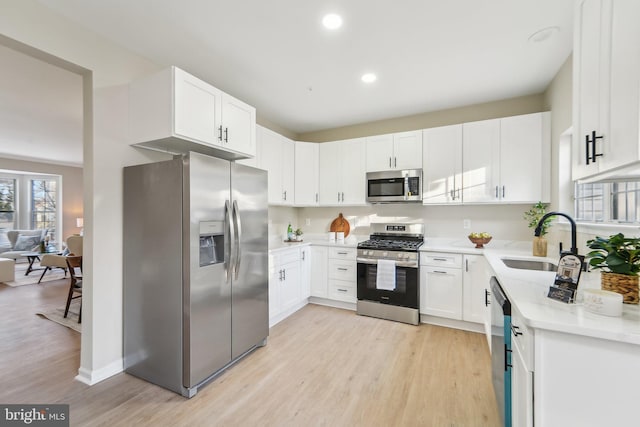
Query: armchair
x=51, y=261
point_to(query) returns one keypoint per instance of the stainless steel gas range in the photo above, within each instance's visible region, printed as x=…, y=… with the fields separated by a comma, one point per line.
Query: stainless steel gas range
x=388, y=272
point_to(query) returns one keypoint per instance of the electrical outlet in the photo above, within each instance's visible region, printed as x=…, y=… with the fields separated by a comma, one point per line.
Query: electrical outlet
x=466, y=224
x=307, y=221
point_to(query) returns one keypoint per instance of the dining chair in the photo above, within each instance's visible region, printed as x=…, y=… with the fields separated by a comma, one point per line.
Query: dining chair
x=75, y=287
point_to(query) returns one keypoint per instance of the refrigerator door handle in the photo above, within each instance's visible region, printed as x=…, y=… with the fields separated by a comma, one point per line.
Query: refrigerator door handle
x=238, y=226
x=232, y=237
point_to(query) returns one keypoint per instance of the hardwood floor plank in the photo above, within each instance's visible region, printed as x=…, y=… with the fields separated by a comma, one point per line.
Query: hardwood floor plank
x=321, y=367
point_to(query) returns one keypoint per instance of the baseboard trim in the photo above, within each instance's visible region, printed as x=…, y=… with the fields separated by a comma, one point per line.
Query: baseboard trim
x=280, y=317
x=333, y=303
x=91, y=377
x=452, y=323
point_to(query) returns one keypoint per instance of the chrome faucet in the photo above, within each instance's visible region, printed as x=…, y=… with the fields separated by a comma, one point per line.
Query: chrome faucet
x=574, y=249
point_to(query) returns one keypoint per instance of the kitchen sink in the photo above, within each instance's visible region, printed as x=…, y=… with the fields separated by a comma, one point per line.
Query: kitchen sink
x=524, y=264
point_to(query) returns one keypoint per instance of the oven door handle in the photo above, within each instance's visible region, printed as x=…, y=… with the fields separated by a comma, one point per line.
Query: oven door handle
x=404, y=264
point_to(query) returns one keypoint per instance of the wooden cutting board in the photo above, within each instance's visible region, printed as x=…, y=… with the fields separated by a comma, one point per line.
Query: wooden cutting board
x=340, y=224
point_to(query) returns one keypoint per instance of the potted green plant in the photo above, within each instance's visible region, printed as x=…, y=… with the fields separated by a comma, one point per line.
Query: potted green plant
x=619, y=259
x=533, y=217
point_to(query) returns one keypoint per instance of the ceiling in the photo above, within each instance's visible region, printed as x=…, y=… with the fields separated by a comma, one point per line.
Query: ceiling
x=428, y=55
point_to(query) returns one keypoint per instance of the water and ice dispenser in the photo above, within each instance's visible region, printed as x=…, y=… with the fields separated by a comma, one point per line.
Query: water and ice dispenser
x=211, y=242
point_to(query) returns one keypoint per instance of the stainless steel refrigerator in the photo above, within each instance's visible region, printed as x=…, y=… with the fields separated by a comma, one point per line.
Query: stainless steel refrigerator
x=195, y=268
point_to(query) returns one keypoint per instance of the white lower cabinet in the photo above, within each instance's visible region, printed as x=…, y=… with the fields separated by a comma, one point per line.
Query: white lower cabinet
x=342, y=274
x=521, y=372
x=288, y=283
x=305, y=272
x=319, y=270
x=475, y=282
x=441, y=285
x=454, y=286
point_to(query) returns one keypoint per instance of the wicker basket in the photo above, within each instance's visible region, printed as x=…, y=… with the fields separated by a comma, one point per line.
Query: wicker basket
x=622, y=284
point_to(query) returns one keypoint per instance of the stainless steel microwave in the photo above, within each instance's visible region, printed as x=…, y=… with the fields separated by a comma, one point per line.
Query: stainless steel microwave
x=394, y=186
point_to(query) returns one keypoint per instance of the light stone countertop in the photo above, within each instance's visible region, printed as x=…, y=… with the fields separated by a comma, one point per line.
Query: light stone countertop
x=526, y=289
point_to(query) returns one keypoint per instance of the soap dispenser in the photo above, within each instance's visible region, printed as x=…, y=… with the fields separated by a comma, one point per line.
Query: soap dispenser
x=290, y=235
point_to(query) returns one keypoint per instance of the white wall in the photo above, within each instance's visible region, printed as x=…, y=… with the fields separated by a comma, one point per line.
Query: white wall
x=28, y=26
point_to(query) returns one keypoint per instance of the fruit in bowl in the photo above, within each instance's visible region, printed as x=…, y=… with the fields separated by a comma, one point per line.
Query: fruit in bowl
x=480, y=239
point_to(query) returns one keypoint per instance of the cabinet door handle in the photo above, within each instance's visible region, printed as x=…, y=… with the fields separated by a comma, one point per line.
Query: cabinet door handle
x=466, y=265
x=591, y=155
x=439, y=272
x=395, y=162
x=343, y=197
x=338, y=196
x=586, y=149
x=593, y=146
x=316, y=197
x=280, y=275
x=226, y=134
x=341, y=290
x=303, y=255
x=284, y=274
x=220, y=133
x=487, y=301
x=458, y=194
x=284, y=195
x=506, y=359
x=389, y=161
x=496, y=191
x=452, y=194
x=515, y=330
x=440, y=259
x=343, y=269
x=503, y=191
x=342, y=253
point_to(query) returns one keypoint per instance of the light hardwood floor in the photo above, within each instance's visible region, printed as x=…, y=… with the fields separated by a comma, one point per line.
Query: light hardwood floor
x=321, y=367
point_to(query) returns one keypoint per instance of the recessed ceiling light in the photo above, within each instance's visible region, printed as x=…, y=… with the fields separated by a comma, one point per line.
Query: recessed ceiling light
x=369, y=78
x=332, y=21
x=543, y=34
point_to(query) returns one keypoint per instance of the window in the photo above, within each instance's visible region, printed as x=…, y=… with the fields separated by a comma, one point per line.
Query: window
x=7, y=203
x=589, y=200
x=43, y=205
x=608, y=202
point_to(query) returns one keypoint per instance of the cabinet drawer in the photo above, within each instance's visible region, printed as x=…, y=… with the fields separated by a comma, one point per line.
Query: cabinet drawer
x=342, y=270
x=342, y=290
x=288, y=256
x=343, y=253
x=441, y=259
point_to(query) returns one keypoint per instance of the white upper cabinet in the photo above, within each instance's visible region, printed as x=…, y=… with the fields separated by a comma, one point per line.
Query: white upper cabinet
x=525, y=158
x=507, y=160
x=394, y=151
x=379, y=153
x=442, y=165
x=175, y=112
x=606, y=87
x=277, y=158
x=480, y=161
x=342, y=172
x=238, y=126
x=307, y=164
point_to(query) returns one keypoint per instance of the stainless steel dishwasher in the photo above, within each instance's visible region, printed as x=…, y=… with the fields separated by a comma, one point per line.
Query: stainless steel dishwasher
x=501, y=350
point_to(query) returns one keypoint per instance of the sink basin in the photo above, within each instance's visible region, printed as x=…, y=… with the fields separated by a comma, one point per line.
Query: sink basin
x=523, y=264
